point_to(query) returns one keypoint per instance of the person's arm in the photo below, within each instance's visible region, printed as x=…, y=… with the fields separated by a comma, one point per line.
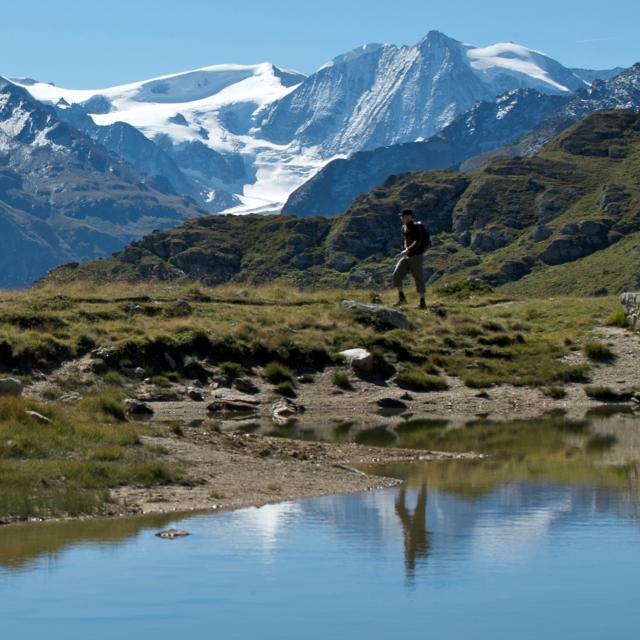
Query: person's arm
x=405, y=251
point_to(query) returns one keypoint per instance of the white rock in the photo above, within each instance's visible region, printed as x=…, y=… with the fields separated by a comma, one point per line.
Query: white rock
x=359, y=359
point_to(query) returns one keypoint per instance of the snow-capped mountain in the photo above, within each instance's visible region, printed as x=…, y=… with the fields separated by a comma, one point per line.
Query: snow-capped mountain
x=202, y=119
x=65, y=198
x=382, y=94
x=245, y=136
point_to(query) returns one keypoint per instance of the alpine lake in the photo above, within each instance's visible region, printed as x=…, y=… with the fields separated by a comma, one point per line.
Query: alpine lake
x=540, y=539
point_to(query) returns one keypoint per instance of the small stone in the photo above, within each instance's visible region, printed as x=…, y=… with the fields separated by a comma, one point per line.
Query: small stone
x=406, y=396
x=283, y=410
x=195, y=394
x=170, y=534
x=245, y=385
x=137, y=408
x=70, y=397
x=38, y=417
x=378, y=315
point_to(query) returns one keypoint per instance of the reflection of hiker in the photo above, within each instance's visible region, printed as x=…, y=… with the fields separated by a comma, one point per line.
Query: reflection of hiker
x=415, y=241
x=416, y=538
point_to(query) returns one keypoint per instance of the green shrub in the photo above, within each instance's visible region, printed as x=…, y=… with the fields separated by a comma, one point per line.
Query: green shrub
x=286, y=389
x=113, y=378
x=161, y=381
x=617, y=318
x=232, y=369
x=341, y=379
x=417, y=380
x=598, y=351
x=276, y=372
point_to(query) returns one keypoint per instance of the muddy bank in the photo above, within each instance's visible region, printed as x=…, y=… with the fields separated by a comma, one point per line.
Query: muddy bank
x=234, y=470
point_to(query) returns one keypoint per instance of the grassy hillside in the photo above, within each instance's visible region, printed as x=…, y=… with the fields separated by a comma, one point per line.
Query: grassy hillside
x=511, y=222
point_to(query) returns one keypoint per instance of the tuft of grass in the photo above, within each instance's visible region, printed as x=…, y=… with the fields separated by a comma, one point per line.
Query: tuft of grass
x=341, y=379
x=113, y=378
x=417, y=380
x=478, y=381
x=232, y=369
x=606, y=394
x=161, y=381
x=573, y=373
x=598, y=351
x=276, y=373
x=557, y=393
x=177, y=430
x=286, y=389
x=617, y=318
x=106, y=406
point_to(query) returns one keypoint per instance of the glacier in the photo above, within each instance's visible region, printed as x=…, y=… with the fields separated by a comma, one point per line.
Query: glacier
x=246, y=136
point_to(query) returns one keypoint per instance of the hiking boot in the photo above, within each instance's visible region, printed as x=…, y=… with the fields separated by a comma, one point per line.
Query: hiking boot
x=401, y=301
x=423, y=304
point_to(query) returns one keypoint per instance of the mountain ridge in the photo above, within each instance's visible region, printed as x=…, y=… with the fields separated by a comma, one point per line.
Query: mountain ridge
x=64, y=197
x=246, y=136
x=514, y=219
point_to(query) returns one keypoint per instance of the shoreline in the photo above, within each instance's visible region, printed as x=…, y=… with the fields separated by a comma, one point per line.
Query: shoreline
x=229, y=471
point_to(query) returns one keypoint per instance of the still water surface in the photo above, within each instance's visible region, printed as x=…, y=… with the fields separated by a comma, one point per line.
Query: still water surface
x=539, y=541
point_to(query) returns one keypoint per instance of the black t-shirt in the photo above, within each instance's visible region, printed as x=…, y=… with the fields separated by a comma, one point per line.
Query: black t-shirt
x=411, y=233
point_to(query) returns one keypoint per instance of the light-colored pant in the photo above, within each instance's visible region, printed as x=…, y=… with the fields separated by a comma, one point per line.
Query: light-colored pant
x=411, y=265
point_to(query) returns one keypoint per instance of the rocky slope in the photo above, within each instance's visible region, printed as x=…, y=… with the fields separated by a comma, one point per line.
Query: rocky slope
x=573, y=207
x=517, y=123
x=620, y=92
x=63, y=197
x=485, y=126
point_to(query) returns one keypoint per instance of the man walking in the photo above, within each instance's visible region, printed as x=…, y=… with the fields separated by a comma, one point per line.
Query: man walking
x=415, y=241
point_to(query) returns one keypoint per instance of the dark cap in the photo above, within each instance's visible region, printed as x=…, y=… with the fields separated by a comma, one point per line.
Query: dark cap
x=406, y=212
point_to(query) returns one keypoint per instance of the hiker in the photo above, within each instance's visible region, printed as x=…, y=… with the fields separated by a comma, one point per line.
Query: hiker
x=415, y=241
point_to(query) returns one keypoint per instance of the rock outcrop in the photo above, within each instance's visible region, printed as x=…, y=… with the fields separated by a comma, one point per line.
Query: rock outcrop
x=631, y=307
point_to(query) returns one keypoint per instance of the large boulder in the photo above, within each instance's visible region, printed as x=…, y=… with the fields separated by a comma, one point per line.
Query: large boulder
x=631, y=306
x=376, y=314
x=229, y=401
x=10, y=387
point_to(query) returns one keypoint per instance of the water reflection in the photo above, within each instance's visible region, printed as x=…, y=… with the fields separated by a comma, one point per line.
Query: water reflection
x=436, y=554
x=416, y=538
x=22, y=545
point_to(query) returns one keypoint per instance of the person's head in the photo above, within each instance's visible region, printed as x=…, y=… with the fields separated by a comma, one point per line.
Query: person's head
x=406, y=215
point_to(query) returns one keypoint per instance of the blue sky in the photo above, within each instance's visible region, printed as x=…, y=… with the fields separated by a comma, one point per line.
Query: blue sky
x=83, y=43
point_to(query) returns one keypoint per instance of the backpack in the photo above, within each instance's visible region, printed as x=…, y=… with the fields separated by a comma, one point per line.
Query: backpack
x=424, y=241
